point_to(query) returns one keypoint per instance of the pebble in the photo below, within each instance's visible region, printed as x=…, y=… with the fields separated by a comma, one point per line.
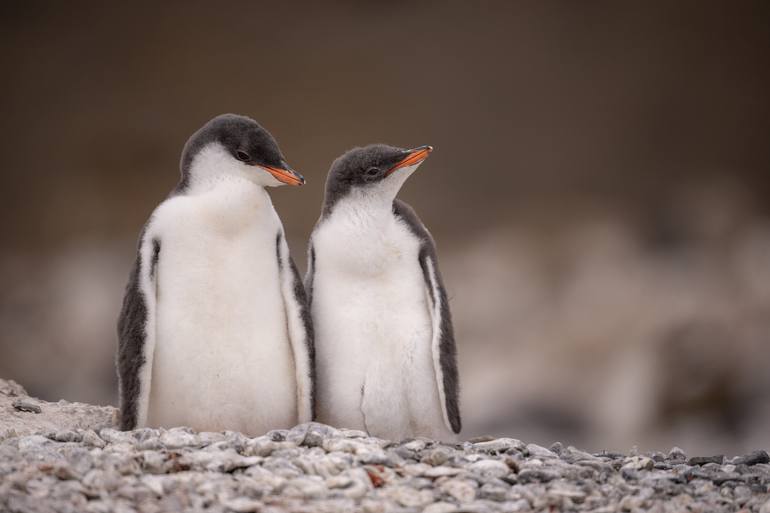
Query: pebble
x=754, y=458
x=442, y=472
x=31, y=443
x=414, y=445
x=575, y=455
x=243, y=505
x=499, y=445
x=566, y=490
x=462, y=490
x=176, y=438
x=493, y=492
x=26, y=406
x=638, y=463
x=703, y=460
x=438, y=456
x=66, y=436
x=308, y=487
x=540, y=452
x=489, y=468
x=677, y=454
x=516, y=506
x=313, y=467
x=440, y=507
x=537, y=475
x=92, y=439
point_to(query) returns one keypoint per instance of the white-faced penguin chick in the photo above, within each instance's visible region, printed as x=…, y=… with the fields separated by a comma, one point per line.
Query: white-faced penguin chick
x=385, y=349
x=214, y=332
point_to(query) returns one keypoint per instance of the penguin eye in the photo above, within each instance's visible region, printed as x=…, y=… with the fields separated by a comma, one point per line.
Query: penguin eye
x=242, y=156
x=372, y=171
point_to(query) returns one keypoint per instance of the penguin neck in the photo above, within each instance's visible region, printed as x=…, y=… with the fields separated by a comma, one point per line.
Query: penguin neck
x=234, y=193
x=366, y=207
x=373, y=201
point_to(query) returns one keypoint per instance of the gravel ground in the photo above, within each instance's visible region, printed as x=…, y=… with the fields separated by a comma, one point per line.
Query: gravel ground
x=67, y=457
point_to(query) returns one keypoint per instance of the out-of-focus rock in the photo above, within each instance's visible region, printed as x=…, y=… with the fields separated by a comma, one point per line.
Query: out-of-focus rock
x=66, y=459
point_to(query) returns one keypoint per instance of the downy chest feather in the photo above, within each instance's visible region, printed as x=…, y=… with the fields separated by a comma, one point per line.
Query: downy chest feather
x=365, y=246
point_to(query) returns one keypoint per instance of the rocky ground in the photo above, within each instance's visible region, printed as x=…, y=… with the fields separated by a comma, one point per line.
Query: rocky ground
x=68, y=457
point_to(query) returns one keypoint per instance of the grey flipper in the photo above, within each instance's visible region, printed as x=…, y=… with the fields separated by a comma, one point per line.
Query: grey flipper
x=300, y=327
x=133, y=340
x=443, y=343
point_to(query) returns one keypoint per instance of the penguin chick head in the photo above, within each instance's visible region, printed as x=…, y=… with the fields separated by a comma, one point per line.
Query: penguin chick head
x=374, y=170
x=232, y=145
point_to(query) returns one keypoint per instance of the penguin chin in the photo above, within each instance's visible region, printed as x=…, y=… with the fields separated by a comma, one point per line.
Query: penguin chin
x=392, y=183
x=253, y=174
x=262, y=178
x=405, y=172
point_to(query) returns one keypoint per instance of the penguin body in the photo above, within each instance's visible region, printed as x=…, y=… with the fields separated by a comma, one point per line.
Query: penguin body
x=214, y=332
x=386, y=355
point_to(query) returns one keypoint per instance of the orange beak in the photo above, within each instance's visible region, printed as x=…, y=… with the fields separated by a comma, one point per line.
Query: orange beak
x=286, y=176
x=414, y=157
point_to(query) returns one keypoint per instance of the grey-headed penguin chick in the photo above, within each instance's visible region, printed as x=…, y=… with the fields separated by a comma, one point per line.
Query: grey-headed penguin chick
x=214, y=332
x=385, y=349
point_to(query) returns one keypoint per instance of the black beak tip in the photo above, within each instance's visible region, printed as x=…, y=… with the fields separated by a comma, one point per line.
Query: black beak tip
x=420, y=148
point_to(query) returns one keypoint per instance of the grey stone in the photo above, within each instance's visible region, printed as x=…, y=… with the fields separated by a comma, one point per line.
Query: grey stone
x=436, y=472
x=638, y=463
x=499, y=445
x=493, y=492
x=540, y=452
x=516, y=506
x=440, y=507
x=677, y=454
x=352, y=433
x=562, y=489
x=461, y=490
x=306, y=487
x=438, y=456
x=27, y=406
x=67, y=436
x=703, y=460
x=113, y=436
x=724, y=477
x=409, y=497
x=753, y=458
x=414, y=445
x=32, y=443
x=243, y=505
x=529, y=475
x=573, y=455
x=317, y=433
x=92, y=439
x=492, y=468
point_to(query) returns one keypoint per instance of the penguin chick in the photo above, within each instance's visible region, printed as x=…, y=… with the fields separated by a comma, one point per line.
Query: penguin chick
x=214, y=331
x=386, y=355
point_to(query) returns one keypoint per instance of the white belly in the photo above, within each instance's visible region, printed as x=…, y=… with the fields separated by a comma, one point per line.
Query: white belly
x=373, y=339
x=222, y=357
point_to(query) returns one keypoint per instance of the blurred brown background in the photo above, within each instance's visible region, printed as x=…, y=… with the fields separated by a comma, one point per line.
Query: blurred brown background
x=600, y=193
